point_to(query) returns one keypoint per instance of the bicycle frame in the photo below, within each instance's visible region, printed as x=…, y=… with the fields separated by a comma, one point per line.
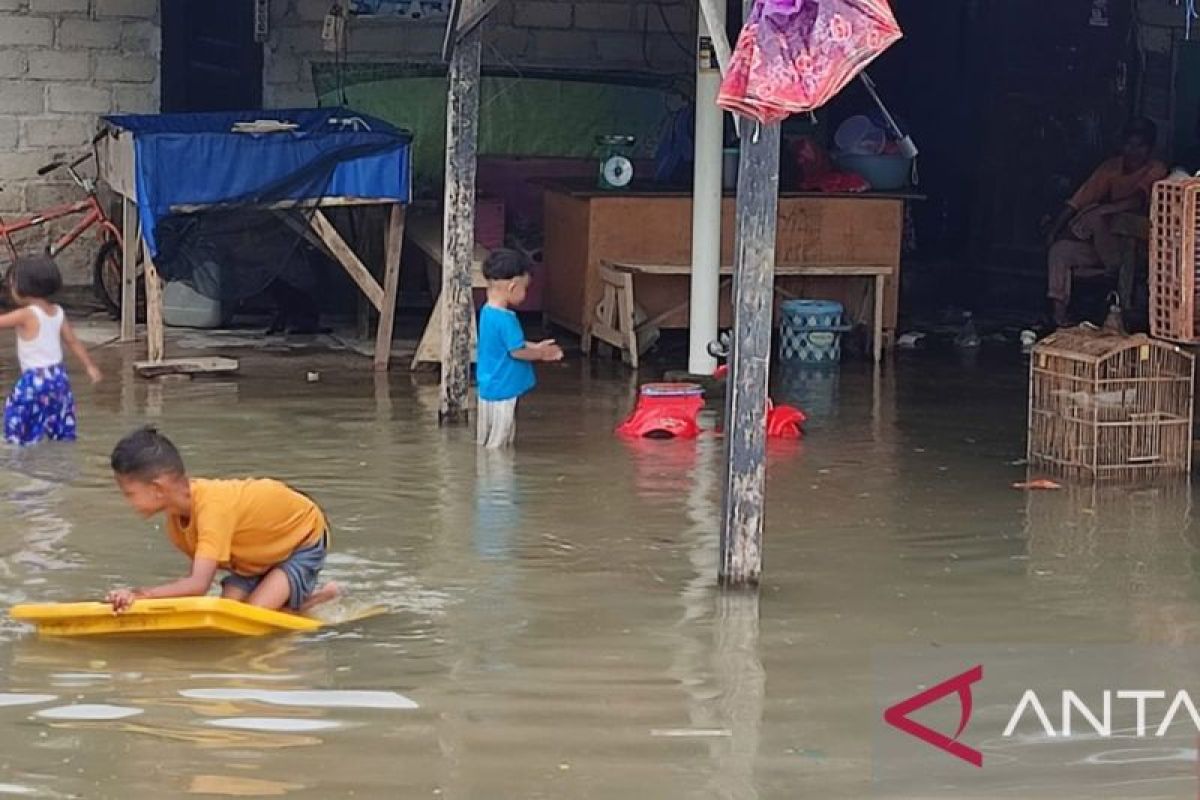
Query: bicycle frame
x=92, y=213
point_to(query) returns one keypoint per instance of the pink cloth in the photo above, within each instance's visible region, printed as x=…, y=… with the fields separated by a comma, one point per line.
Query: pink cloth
x=795, y=55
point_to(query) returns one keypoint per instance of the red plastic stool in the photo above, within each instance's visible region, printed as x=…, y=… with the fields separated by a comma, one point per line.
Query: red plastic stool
x=665, y=409
x=783, y=422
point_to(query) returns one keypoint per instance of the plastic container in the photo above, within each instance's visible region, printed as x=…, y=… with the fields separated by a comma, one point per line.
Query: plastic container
x=811, y=332
x=860, y=136
x=184, y=307
x=883, y=172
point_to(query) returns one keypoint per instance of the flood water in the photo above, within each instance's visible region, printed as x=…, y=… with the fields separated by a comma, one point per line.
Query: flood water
x=553, y=614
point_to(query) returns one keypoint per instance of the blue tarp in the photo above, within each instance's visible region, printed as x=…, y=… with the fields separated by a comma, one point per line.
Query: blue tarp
x=197, y=159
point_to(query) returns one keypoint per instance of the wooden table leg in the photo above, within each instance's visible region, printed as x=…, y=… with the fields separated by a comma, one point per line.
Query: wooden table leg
x=391, y=286
x=877, y=319
x=155, y=335
x=131, y=237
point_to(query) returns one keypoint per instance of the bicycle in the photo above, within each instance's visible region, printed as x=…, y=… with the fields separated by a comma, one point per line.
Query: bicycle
x=107, y=263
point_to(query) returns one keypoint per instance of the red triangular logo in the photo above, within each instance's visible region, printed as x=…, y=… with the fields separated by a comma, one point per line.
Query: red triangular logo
x=898, y=715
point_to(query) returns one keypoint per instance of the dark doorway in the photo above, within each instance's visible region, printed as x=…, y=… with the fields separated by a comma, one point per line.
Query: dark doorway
x=210, y=60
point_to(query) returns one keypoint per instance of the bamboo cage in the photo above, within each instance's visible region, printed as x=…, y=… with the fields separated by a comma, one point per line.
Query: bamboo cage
x=1174, y=257
x=1110, y=407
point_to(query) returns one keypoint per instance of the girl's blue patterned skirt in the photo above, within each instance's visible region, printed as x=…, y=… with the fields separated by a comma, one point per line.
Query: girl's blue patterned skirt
x=41, y=406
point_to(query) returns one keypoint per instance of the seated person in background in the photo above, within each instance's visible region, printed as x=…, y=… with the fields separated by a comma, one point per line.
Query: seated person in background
x=1081, y=238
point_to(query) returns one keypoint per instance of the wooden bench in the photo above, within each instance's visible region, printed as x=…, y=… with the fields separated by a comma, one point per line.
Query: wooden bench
x=426, y=233
x=617, y=320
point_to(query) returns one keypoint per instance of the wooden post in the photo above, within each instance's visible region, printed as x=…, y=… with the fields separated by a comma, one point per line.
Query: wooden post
x=131, y=236
x=462, y=129
x=155, y=336
x=749, y=364
x=391, y=285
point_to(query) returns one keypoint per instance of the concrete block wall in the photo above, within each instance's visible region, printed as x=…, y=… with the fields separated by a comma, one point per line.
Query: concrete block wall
x=594, y=34
x=63, y=63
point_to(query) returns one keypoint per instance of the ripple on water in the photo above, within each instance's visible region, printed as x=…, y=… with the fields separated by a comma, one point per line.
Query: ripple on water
x=17, y=699
x=14, y=789
x=87, y=711
x=274, y=724
x=308, y=699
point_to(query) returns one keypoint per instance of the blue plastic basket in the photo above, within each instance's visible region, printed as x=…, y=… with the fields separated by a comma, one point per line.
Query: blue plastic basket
x=810, y=331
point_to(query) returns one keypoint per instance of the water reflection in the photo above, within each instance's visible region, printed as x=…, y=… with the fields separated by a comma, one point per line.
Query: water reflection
x=1132, y=549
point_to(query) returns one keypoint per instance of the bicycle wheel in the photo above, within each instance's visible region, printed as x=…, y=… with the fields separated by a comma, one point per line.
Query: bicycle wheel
x=106, y=280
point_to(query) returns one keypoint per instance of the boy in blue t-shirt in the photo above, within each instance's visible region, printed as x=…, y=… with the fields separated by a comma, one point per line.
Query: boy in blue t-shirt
x=503, y=369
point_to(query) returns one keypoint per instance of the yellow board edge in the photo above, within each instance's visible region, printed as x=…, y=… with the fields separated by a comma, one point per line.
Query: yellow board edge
x=182, y=616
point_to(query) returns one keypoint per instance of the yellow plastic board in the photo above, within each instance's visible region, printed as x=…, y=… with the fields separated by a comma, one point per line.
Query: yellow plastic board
x=177, y=617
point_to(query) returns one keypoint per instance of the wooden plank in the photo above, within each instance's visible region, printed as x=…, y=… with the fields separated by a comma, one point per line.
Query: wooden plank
x=347, y=258
x=155, y=334
x=781, y=270
x=394, y=240
x=131, y=236
x=745, y=467
x=426, y=233
x=209, y=365
x=308, y=203
x=462, y=134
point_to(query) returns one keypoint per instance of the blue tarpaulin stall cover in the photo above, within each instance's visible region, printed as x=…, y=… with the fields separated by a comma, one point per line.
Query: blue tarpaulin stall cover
x=199, y=159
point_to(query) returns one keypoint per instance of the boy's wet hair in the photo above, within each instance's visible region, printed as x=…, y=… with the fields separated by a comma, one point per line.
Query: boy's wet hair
x=505, y=264
x=145, y=455
x=34, y=277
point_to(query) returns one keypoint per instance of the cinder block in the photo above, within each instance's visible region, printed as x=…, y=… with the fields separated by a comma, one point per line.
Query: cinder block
x=137, y=9
x=574, y=47
x=60, y=65
x=13, y=63
x=22, y=97
x=74, y=98
x=9, y=132
x=67, y=132
x=89, y=33
x=26, y=31
x=144, y=38
x=58, y=6
x=126, y=68
x=136, y=99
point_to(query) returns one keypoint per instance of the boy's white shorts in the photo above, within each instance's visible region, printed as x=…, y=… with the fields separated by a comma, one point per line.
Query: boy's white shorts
x=497, y=422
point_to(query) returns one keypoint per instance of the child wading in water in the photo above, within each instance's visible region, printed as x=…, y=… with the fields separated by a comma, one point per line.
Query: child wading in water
x=41, y=405
x=504, y=370
x=270, y=538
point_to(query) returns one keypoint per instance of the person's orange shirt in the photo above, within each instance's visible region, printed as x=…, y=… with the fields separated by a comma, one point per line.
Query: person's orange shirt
x=1111, y=184
x=246, y=526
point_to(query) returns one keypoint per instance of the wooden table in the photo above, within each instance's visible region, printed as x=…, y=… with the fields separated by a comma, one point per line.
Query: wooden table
x=834, y=234
x=613, y=319
x=426, y=233
x=117, y=168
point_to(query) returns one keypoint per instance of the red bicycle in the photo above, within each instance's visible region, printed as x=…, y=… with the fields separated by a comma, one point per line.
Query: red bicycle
x=106, y=265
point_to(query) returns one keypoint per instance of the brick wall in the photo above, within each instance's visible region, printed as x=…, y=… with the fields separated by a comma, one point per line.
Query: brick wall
x=599, y=34
x=62, y=64
x=65, y=62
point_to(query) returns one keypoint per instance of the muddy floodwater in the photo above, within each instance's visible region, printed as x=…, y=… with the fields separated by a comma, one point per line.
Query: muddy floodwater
x=554, y=629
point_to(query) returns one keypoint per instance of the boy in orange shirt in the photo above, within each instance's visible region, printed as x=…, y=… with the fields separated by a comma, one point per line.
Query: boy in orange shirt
x=270, y=538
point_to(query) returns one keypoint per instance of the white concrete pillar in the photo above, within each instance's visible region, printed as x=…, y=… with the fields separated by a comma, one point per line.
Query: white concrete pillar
x=706, y=205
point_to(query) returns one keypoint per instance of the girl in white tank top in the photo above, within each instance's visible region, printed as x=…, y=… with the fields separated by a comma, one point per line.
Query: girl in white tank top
x=41, y=405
